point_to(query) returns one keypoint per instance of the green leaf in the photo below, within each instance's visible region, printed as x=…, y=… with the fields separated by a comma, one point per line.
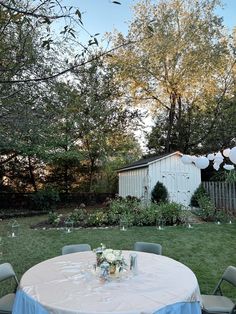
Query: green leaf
x=77, y=12
x=95, y=41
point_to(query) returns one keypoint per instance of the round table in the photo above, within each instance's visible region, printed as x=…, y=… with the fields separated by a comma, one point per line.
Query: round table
x=68, y=284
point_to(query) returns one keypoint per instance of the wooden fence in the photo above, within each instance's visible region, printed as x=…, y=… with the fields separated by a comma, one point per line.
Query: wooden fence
x=222, y=194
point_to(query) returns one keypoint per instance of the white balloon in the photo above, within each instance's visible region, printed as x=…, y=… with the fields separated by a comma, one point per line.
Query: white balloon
x=216, y=166
x=186, y=159
x=232, y=155
x=219, y=154
x=228, y=167
x=202, y=162
x=218, y=158
x=226, y=152
x=219, y=161
x=194, y=158
x=210, y=156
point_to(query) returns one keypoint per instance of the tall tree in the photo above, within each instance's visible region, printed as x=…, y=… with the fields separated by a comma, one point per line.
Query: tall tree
x=87, y=114
x=181, y=64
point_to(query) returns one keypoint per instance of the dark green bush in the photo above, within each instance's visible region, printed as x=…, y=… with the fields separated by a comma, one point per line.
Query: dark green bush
x=123, y=207
x=159, y=193
x=54, y=218
x=97, y=219
x=206, y=209
x=147, y=215
x=45, y=199
x=200, y=191
x=132, y=213
x=170, y=213
x=79, y=215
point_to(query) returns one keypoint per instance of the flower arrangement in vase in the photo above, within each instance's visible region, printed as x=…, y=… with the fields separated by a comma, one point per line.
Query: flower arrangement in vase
x=110, y=257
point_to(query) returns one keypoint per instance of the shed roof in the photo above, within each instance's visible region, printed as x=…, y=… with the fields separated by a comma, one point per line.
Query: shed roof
x=144, y=162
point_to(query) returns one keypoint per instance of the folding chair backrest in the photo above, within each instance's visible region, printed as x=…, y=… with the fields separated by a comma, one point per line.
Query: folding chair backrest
x=148, y=247
x=73, y=248
x=6, y=272
x=230, y=275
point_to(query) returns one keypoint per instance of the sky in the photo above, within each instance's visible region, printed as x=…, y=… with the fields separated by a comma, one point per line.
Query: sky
x=100, y=16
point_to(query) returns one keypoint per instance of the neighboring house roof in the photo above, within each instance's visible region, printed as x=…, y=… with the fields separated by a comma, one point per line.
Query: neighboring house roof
x=145, y=162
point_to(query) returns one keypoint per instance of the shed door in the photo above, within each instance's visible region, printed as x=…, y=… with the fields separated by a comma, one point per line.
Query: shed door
x=169, y=181
x=177, y=184
x=183, y=188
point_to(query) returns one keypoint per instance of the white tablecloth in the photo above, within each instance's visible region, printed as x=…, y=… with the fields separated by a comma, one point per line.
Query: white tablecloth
x=67, y=284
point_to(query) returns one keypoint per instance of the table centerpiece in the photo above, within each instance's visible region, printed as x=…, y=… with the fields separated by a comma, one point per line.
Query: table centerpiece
x=109, y=261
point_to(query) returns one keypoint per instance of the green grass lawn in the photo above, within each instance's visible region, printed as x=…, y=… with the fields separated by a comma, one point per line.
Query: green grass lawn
x=207, y=248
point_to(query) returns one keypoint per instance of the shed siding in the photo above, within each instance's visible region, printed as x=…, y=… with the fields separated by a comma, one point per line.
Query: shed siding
x=181, y=180
x=133, y=182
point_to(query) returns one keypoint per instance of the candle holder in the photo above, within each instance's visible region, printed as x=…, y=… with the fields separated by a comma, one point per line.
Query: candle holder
x=123, y=225
x=160, y=223
x=230, y=219
x=188, y=222
x=13, y=229
x=69, y=225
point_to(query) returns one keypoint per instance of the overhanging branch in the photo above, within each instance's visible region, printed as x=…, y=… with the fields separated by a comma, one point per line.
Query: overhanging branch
x=32, y=13
x=55, y=75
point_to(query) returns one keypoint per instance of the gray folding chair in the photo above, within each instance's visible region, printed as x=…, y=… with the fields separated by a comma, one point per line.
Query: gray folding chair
x=73, y=248
x=147, y=247
x=217, y=303
x=7, y=301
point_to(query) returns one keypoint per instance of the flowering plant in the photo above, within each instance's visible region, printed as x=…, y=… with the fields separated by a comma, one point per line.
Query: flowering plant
x=113, y=257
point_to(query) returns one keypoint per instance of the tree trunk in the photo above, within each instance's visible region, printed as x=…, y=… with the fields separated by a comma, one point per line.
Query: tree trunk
x=91, y=174
x=66, y=179
x=31, y=173
x=170, y=122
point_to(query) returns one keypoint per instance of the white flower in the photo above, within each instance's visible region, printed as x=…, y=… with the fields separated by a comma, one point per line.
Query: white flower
x=109, y=256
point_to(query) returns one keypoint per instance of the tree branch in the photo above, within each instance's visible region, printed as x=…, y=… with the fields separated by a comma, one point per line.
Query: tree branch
x=25, y=12
x=8, y=159
x=66, y=70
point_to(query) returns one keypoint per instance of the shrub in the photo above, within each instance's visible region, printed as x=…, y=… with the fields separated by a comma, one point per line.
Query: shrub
x=45, y=199
x=147, y=215
x=128, y=218
x=170, y=213
x=230, y=176
x=221, y=216
x=97, y=219
x=200, y=191
x=207, y=209
x=159, y=193
x=54, y=218
x=79, y=216
x=120, y=208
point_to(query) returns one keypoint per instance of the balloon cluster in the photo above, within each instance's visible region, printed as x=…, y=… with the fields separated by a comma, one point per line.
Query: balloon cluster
x=203, y=162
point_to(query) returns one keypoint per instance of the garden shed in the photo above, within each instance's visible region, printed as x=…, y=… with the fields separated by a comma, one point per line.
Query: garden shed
x=139, y=178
